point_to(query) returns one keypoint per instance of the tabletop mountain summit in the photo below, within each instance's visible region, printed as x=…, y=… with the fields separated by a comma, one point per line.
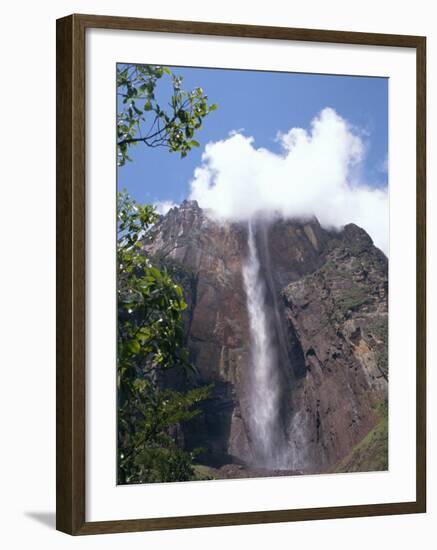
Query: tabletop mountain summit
x=288, y=322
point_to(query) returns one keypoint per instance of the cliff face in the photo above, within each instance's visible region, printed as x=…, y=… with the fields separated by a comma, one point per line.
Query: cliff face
x=327, y=297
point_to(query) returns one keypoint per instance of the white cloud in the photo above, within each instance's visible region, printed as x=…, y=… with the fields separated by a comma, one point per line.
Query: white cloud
x=162, y=207
x=317, y=173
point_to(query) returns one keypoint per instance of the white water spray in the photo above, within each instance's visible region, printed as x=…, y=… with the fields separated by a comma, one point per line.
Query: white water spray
x=267, y=439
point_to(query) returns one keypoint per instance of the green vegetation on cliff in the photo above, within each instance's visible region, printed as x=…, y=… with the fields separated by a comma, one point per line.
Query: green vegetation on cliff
x=371, y=453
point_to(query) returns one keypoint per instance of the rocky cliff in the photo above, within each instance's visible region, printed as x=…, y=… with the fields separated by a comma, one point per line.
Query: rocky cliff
x=327, y=293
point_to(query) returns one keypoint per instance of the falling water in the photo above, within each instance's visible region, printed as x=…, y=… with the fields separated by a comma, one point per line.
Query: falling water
x=267, y=436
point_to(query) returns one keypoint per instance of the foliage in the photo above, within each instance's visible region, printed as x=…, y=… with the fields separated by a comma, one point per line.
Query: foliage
x=150, y=304
x=150, y=343
x=142, y=120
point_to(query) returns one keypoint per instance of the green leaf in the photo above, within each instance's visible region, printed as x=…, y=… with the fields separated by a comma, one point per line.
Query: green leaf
x=134, y=346
x=194, y=143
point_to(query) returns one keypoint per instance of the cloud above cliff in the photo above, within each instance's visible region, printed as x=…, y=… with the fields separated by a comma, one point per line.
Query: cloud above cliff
x=317, y=172
x=162, y=207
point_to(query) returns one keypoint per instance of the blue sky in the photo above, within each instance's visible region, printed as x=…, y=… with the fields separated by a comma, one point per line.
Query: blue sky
x=261, y=104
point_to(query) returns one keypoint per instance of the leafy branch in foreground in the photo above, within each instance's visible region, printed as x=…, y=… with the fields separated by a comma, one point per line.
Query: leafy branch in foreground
x=150, y=343
x=141, y=119
x=150, y=305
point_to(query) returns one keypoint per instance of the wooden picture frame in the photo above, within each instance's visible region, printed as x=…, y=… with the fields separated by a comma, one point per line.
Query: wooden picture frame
x=71, y=253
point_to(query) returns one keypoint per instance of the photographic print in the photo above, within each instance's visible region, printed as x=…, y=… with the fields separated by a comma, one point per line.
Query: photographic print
x=252, y=265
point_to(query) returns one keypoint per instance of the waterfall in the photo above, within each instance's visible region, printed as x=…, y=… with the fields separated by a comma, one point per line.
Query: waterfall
x=267, y=436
